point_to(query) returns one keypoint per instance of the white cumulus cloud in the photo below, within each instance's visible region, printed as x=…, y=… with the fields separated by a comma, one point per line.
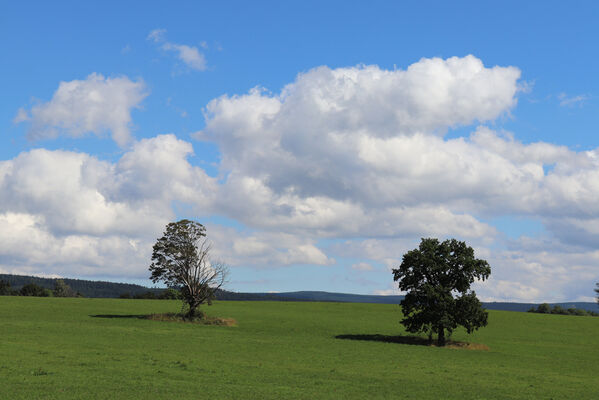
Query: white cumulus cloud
x=93, y=105
x=359, y=153
x=66, y=212
x=190, y=55
x=346, y=163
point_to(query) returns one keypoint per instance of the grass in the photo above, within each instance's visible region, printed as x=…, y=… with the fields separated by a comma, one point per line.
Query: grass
x=54, y=348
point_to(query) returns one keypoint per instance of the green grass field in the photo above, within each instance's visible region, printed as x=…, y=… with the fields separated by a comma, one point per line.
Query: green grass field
x=54, y=348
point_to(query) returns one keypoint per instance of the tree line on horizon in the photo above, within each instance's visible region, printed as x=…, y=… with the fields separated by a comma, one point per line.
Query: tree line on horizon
x=12, y=285
x=87, y=288
x=545, y=308
x=60, y=289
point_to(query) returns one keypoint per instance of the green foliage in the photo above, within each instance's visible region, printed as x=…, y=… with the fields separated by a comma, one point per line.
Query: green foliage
x=147, y=295
x=577, y=311
x=557, y=309
x=544, y=309
x=170, y=294
x=437, y=278
x=597, y=291
x=31, y=289
x=181, y=257
x=61, y=289
x=5, y=289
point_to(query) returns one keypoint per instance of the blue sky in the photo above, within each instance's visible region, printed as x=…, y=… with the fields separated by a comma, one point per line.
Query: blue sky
x=317, y=142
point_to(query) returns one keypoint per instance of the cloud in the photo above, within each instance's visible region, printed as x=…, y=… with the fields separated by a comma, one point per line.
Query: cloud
x=362, y=266
x=330, y=127
x=21, y=116
x=28, y=247
x=540, y=269
x=190, y=55
x=70, y=213
x=365, y=142
x=157, y=35
x=571, y=101
x=360, y=153
x=265, y=249
x=346, y=163
x=387, y=292
x=94, y=105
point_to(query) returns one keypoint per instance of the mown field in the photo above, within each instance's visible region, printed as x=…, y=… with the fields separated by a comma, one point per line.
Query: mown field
x=59, y=348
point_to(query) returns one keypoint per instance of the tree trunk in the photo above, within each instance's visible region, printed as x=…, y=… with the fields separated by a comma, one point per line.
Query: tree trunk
x=192, y=310
x=441, y=338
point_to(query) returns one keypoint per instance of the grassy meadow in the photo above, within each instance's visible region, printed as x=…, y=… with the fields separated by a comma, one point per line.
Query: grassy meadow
x=61, y=348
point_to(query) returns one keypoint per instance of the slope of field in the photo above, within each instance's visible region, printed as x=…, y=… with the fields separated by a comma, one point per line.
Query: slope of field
x=65, y=348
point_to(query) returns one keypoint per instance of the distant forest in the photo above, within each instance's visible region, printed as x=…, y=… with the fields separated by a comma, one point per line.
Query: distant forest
x=128, y=290
x=115, y=290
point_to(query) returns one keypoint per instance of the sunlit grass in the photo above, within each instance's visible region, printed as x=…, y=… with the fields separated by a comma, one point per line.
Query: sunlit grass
x=58, y=348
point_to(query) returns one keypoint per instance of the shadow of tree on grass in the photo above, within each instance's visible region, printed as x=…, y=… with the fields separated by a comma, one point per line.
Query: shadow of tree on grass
x=138, y=316
x=414, y=340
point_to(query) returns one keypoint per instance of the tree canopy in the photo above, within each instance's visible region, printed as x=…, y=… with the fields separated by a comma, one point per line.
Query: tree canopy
x=61, y=289
x=437, y=278
x=181, y=258
x=31, y=289
x=5, y=288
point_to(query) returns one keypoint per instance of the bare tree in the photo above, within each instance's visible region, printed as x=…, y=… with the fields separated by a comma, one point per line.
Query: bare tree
x=181, y=258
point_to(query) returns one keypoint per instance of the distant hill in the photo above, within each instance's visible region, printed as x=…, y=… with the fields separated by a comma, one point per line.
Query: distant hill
x=112, y=289
x=85, y=287
x=103, y=289
x=361, y=298
x=338, y=297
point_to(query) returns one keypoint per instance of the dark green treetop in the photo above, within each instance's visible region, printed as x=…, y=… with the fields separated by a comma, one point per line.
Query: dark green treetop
x=31, y=289
x=437, y=278
x=5, y=288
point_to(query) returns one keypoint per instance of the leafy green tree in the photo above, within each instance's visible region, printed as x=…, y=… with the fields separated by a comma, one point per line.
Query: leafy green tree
x=170, y=294
x=577, y=311
x=147, y=295
x=597, y=291
x=181, y=258
x=544, y=308
x=437, y=278
x=32, y=289
x=61, y=289
x=557, y=309
x=5, y=289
